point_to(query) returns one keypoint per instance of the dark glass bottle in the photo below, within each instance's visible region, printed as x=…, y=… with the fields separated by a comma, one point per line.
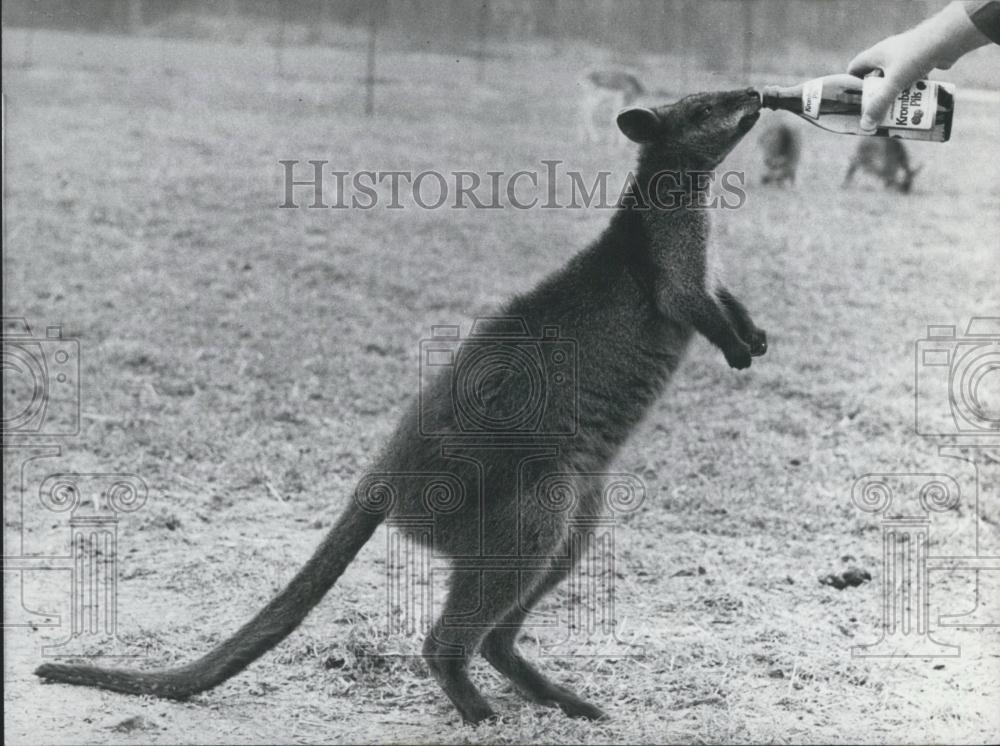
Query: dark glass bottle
x=921, y=112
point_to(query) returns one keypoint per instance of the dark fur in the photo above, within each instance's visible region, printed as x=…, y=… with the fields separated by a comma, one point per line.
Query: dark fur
x=631, y=301
x=886, y=159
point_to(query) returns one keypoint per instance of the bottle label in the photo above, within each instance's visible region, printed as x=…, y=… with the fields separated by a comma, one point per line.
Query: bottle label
x=913, y=109
x=812, y=95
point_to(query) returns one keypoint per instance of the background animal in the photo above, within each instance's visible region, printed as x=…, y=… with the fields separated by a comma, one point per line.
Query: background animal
x=605, y=92
x=781, y=148
x=886, y=159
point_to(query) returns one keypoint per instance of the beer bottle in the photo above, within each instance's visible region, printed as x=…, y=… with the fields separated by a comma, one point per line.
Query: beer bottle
x=921, y=112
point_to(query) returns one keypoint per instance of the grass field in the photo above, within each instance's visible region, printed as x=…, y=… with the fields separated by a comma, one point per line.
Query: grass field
x=247, y=361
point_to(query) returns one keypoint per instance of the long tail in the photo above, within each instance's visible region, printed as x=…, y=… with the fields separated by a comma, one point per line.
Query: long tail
x=271, y=625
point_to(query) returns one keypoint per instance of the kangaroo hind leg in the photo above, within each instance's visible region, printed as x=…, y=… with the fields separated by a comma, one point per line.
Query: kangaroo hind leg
x=500, y=649
x=477, y=600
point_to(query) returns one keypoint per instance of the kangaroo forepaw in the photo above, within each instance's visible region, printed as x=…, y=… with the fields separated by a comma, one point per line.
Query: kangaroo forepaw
x=738, y=357
x=758, y=342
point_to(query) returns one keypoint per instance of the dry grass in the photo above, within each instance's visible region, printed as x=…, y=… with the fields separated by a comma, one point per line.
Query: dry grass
x=234, y=352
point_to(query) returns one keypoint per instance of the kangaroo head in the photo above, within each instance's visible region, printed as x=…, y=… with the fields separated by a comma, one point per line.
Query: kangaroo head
x=696, y=132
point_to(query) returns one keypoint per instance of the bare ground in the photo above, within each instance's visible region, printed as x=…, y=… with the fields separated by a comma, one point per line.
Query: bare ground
x=247, y=361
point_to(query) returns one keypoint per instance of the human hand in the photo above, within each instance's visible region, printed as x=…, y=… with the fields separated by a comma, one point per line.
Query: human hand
x=907, y=57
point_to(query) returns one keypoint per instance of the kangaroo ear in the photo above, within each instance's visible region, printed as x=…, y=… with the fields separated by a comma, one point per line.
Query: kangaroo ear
x=639, y=124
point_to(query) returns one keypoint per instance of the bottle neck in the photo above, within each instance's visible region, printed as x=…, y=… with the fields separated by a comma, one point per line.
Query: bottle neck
x=780, y=97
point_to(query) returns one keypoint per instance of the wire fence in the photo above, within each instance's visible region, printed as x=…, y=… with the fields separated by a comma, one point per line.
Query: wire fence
x=724, y=34
x=747, y=40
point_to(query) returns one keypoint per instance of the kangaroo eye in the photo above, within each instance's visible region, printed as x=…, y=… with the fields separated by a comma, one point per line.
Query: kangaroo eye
x=705, y=112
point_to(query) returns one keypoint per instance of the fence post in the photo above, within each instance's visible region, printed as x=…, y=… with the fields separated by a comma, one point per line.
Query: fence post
x=373, y=21
x=135, y=19
x=748, y=17
x=482, y=32
x=29, y=43
x=279, y=47
x=688, y=24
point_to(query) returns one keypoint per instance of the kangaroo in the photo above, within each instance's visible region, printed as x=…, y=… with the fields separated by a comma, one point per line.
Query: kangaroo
x=780, y=144
x=632, y=301
x=885, y=158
